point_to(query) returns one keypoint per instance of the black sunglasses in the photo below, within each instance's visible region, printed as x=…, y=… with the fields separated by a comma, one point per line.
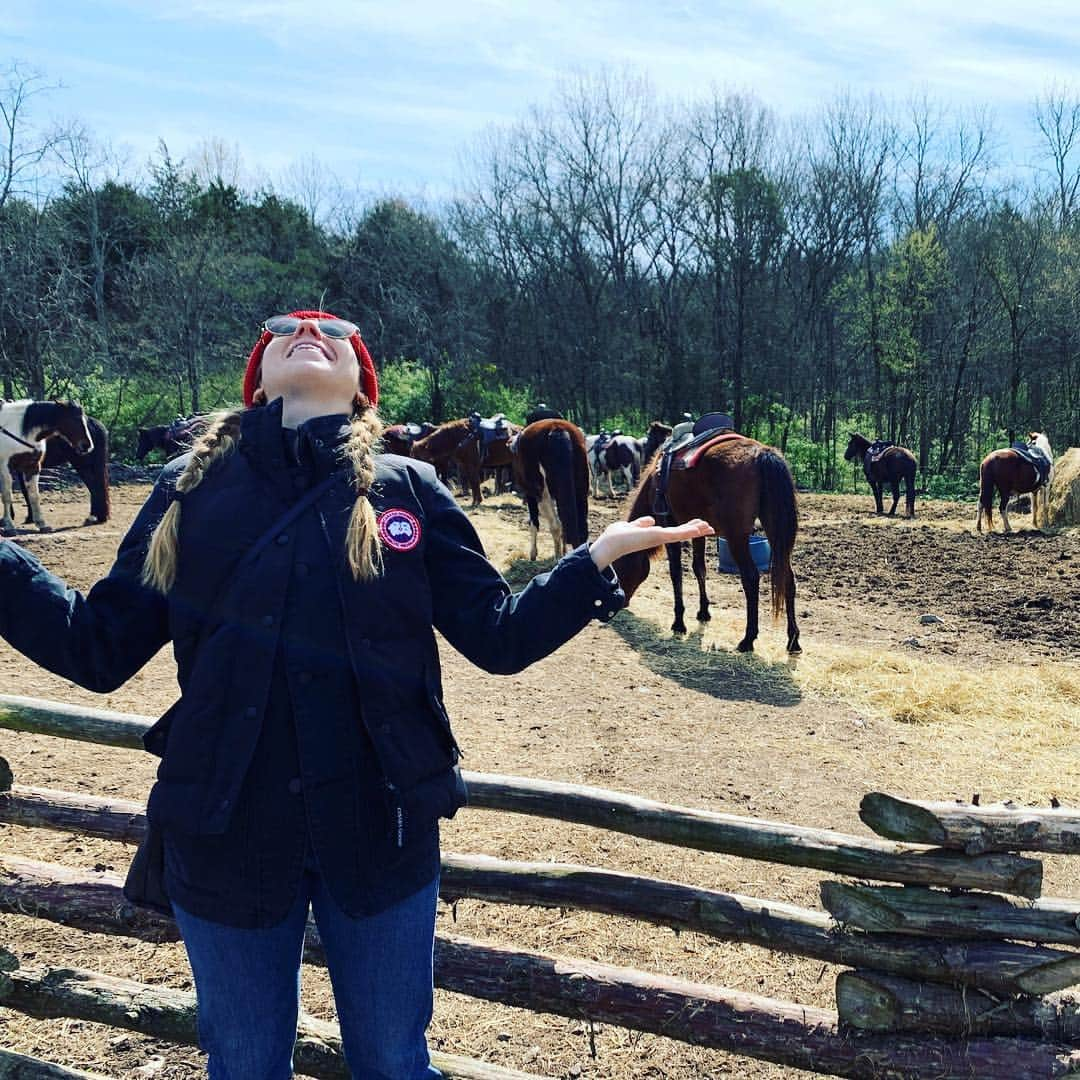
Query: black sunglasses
x=285, y=325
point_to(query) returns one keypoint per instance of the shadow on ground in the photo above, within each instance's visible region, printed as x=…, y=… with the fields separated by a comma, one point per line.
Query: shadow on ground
x=730, y=676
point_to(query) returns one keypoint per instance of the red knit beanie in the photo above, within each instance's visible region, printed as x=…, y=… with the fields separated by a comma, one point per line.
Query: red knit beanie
x=368, y=382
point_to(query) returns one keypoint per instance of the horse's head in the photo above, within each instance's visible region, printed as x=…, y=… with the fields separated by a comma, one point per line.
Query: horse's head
x=1037, y=438
x=69, y=421
x=149, y=439
x=856, y=446
x=655, y=437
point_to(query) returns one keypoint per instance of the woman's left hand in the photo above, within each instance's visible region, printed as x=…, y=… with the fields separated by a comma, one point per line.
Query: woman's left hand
x=624, y=537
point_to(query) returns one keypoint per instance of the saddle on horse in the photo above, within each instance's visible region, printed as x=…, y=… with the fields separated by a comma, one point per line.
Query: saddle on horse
x=876, y=450
x=1036, y=457
x=683, y=450
x=488, y=430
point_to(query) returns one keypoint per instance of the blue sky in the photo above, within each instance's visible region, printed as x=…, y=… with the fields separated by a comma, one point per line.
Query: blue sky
x=387, y=95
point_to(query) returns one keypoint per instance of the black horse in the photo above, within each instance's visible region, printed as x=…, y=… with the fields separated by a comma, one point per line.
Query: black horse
x=884, y=463
x=172, y=439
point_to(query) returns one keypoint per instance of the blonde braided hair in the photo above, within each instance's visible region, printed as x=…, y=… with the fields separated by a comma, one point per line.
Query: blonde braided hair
x=362, y=541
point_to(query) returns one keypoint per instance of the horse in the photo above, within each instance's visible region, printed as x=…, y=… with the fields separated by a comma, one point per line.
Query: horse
x=24, y=427
x=1010, y=473
x=398, y=438
x=735, y=481
x=885, y=464
x=613, y=452
x=551, y=470
x=172, y=439
x=458, y=442
x=92, y=469
x=655, y=437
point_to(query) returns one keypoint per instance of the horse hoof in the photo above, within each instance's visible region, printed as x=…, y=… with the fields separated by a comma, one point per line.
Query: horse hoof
x=704, y=616
x=91, y=520
x=745, y=646
x=44, y=528
x=678, y=628
x=794, y=647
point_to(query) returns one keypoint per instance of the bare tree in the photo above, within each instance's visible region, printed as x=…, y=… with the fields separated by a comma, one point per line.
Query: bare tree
x=24, y=145
x=1057, y=116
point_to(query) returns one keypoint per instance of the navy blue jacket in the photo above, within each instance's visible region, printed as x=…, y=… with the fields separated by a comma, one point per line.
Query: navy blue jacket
x=227, y=625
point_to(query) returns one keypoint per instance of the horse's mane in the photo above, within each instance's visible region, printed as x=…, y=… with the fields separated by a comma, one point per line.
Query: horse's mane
x=641, y=503
x=439, y=441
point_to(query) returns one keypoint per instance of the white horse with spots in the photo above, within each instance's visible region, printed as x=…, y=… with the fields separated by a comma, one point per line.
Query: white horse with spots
x=609, y=453
x=24, y=428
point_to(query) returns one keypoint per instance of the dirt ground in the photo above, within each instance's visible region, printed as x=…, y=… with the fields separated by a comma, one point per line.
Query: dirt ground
x=628, y=707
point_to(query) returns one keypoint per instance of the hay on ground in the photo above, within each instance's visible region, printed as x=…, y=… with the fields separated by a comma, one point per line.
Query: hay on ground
x=1065, y=490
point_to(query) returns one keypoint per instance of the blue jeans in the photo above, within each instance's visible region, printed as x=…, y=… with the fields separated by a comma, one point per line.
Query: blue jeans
x=248, y=987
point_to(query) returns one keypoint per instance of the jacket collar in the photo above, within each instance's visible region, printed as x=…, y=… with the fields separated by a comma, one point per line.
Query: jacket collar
x=319, y=441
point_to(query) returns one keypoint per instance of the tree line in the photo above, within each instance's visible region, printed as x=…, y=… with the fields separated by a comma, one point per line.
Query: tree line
x=873, y=266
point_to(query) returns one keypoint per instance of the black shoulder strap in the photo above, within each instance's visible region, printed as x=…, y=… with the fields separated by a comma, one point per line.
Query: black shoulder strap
x=286, y=519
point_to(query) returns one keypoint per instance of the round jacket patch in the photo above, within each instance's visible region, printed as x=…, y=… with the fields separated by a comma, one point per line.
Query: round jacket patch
x=399, y=530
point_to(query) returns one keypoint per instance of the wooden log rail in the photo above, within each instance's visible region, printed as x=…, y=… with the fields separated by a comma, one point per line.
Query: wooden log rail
x=798, y=1036
x=92, y=901
x=22, y=1067
x=973, y=829
x=873, y=1001
x=165, y=1013
x=726, y=916
x=934, y=913
x=703, y=830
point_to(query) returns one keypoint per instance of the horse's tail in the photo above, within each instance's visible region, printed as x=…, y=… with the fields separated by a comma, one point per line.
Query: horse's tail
x=780, y=516
x=568, y=481
x=96, y=475
x=986, y=487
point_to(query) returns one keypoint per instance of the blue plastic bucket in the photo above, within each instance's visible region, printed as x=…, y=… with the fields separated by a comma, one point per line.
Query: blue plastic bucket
x=760, y=552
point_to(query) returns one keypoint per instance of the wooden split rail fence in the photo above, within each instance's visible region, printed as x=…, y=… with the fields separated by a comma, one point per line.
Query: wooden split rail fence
x=958, y=968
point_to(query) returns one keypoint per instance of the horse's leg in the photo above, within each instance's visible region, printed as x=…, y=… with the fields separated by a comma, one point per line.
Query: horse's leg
x=35, y=502
x=739, y=547
x=610, y=486
x=7, y=524
x=895, y=484
x=1003, y=506
x=793, y=645
x=876, y=487
x=471, y=478
x=909, y=489
x=551, y=519
x=699, y=572
x=29, y=519
x=534, y=524
x=674, y=555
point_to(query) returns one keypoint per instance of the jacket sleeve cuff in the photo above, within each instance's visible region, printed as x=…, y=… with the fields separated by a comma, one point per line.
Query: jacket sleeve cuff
x=601, y=590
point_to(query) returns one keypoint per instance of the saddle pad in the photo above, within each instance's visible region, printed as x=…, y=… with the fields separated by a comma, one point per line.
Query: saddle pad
x=1035, y=457
x=876, y=450
x=687, y=460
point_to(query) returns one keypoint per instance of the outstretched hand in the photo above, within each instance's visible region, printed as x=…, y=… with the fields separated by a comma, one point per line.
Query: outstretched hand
x=624, y=537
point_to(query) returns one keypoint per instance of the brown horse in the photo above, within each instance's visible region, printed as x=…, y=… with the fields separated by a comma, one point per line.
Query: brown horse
x=398, y=438
x=1009, y=473
x=890, y=466
x=456, y=442
x=552, y=472
x=736, y=481
x=655, y=437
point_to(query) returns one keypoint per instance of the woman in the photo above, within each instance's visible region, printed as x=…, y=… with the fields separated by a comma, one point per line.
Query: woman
x=300, y=578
